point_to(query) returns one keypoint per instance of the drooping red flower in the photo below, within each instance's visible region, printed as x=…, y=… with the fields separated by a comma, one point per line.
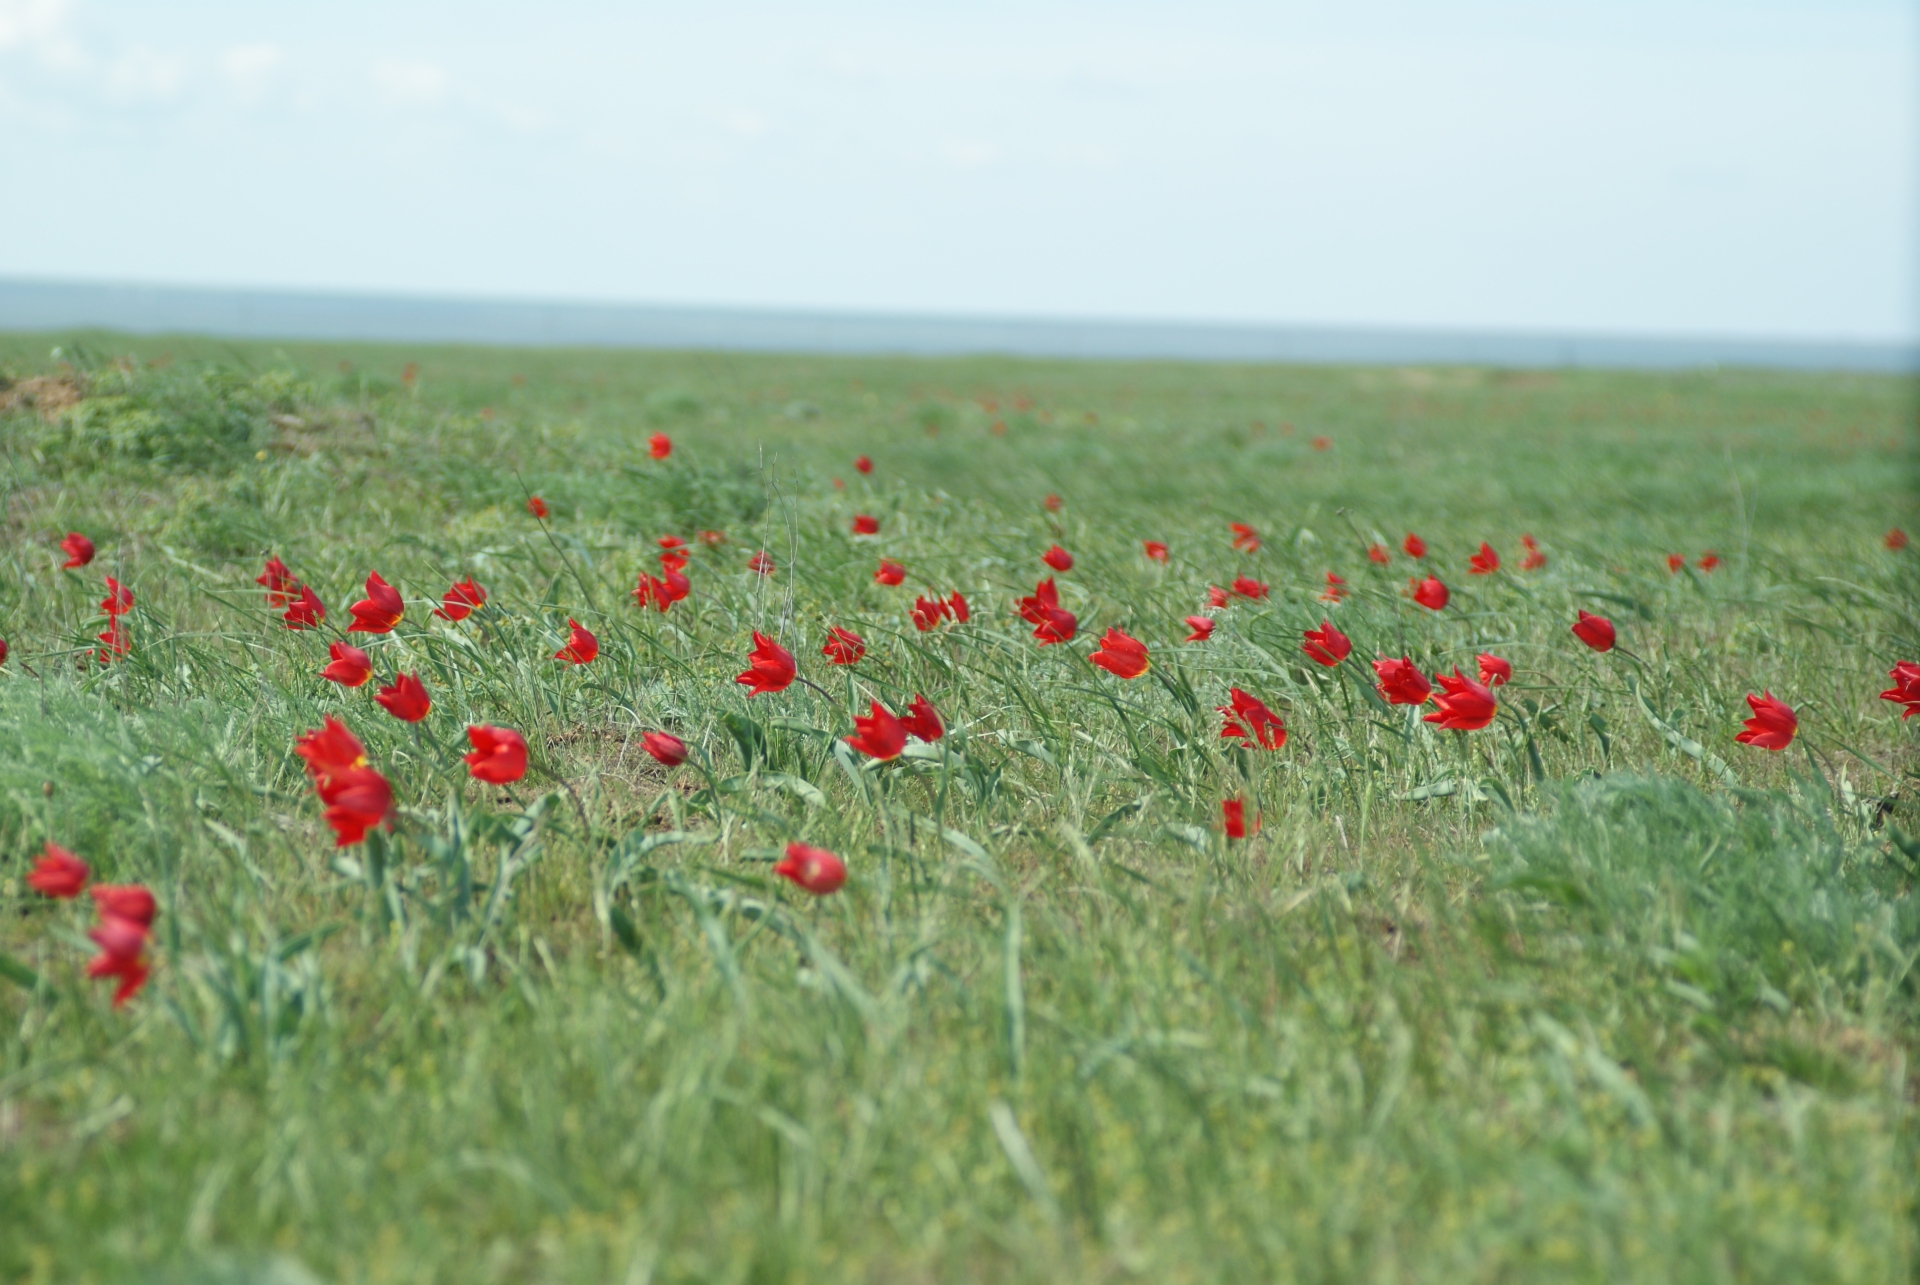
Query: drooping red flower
x=1218, y=597
x=928, y=612
x=1485, y=562
x=1429, y=593
x=306, y=611
x=1462, y=706
x=128, y=901
x=1709, y=560
x=536, y=506
x=1249, y=588
x=1895, y=539
x=1493, y=670
x=357, y=800
x=1245, y=538
x=1401, y=682
x=123, y=956
x=1414, y=545
x=1674, y=562
x=1233, y=818
x=499, y=755
x=814, y=870
x=581, y=646
x=1906, y=687
x=406, y=699
x=347, y=666
x=665, y=747
x=79, y=551
x=58, y=873
x=1052, y=502
x=863, y=524
x=278, y=582
x=1248, y=719
x=119, y=599
x=379, y=611
x=659, y=446
x=331, y=750
x=117, y=642
x=1534, y=559
x=878, y=735
x=890, y=573
x=1326, y=645
x=1202, y=627
x=462, y=599
x=1595, y=631
x=843, y=646
x=1378, y=553
x=862, y=464
x=957, y=605
x=1156, y=550
x=760, y=563
x=770, y=667
x=1121, y=655
x=1051, y=624
x=1336, y=589
x=1058, y=558
x=1773, y=723
x=922, y=720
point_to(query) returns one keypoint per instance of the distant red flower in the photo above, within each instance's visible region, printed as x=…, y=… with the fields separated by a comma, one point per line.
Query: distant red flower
x=331, y=750
x=128, y=901
x=1401, y=682
x=356, y=801
x=581, y=646
x=406, y=699
x=1058, y=558
x=1248, y=719
x=865, y=525
x=1534, y=559
x=1218, y=597
x=58, y=873
x=499, y=755
x=116, y=639
x=1322, y=443
x=814, y=870
x=928, y=612
x=3, y=651
x=1493, y=670
x=1772, y=725
x=659, y=446
x=79, y=551
x=1121, y=655
x=1895, y=539
x=862, y=465
x=1429, y=593
x=279, y=583
x=1462, y=706
x=922, y=720
x=878, y=735
x=1156, y=550
x=1051, y=624
x=1202, y=627
x=670, y=542
x=673, y=558
x=123, y=947
x=348, y=666
x=1414, y=545
x=1052, y=502
x=119, y=599
x=1245, y=538
x=760, y=563
x=1595, y=631
x=956, y=604
x=1485, y=562
x=1336, y=589
x=1326, y=645
x=713, y=539
x=665, y=748
x=1378, y=553
x=536, y=506
x=1233, y=818
x=1906, y=687
x=649, y=592
x=1675, y=561
x=890, y=573
x=1709, y=560
x=770, y=667
x=843, y=646
x=379, y=611
x=306, y=611
x=1249, y=588
x=462, y=598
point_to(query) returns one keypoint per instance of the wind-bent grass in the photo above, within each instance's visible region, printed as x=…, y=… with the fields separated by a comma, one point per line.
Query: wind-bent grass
x=1593, y=994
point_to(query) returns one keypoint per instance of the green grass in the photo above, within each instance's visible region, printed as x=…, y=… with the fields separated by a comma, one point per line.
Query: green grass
x=1592, y=994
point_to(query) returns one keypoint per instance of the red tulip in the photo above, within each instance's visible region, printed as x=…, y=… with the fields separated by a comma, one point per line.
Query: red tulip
x=1249, y=588
x=672, y=585
x=581, y=646
x=1202, y=627
x=1058, y=558
x=1675, y=561
x=1217, y=597
x=1895, y=539
x=1052, y=502
x=279, y=583
x=305, y=611
x=128, y=901
x=462, y=598
x=1493, y=670
x=1429, y=593
x=957, y=605
x=1414, y=545
x=499, y=755
x=357, y=801
x=928, y=612
x=922, y=720
x=665, y=747
x=117, y=641
x=713, y=539
x=1155, y=550
x=79, y=551
x=1245, y=538
x=1462, y=706
x=1378, y=553
x=1906, y=687
x=673, y=558
x=1534, y=559
x=379, y=611
x=406, y=700
x=119, y=599
x=813, y=869
x=3, y=651
x=878, y=735
x=1336, y=589
x=1485, y=562
x=659, y=446
x=863, y=465
x=348, y=667
x=890, y=573
x=760, y=563
x=1326, y=645
x=1401, y=682
x=1233, y=819
x=1595, y=631
x=865, y=525
x=843, y=646
x=1121, y=655
x=1248, y=719
x=58, y=873
x=1051, y=624
x=1709, y=560
x=770, y=667
x=123, y=946
x=670, y=542
x=331, y=750
x=648, y=592
x=536, y=506
x=1772, y=725
x=1322, y=443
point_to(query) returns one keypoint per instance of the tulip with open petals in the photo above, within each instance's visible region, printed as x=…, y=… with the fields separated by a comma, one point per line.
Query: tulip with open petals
x=659, y=446
x=1202, y=627
x=1595, y=631
x=1156, y=550
x=406, y=699
x=1336, y=589
x=1326, y=645
x=1218, y=597
x=1051, y=623
x=1772, y=725
x=843, y=646
x=1906, y=687
x=462, y=598
x=58, y=873
x=499, y=755
x=814, y=870
x=123, y=955
x=1248, y=719
x=581, y=646
x=1534, y=559
x=770, y=667
x=865, y=524
x=878, y=735
x=1414, y=545
x=356, y=801
x=1249, y=588
x=890, y=573
x=922, y=720
x=1401, y=682
x=79, y=551
x=1245, y=538
x=331, y=750
x=928, y=612
x=665, y=748
x=379, y=611
x=761, y=563
x=957, y=608
x=1429, y=593
x=1493, y=670
x=1462, y=705
x=1485, y=562
x=1121, y=655
x=347, y=666
x=279, y=583
x=119, y=599
x=305, y=611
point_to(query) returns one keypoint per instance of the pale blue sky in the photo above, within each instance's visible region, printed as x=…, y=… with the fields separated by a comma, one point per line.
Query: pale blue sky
x=1693, y=166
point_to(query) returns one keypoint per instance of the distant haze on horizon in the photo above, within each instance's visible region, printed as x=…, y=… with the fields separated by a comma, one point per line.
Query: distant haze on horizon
x=1693, y=167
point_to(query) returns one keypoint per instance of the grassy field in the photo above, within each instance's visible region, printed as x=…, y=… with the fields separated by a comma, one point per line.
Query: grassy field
x=1591, y=994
